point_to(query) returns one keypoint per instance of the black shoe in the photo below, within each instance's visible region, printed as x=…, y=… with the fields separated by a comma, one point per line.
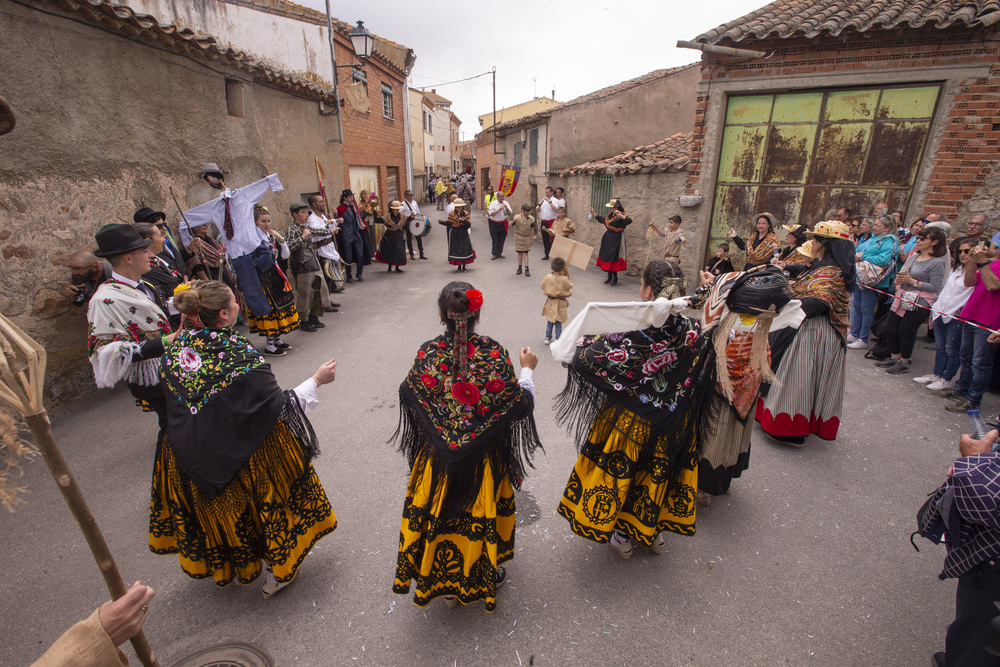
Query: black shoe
x=501, y=257
x=333, y=307
x=306, y=325
x=349, y=279
x=518, y=270
x=545, y=257
x=316, y=323
x=527, y=272
x=275, y=352
x=614, y=281
x=360, y=279
x=338, y=290
x=411, y=256
x=501, y=576
x=389, y=270
x=422, y=257
x=495, y=257
x=399, y=270
x=282, y=345
x=937, y=660
x=608, y=279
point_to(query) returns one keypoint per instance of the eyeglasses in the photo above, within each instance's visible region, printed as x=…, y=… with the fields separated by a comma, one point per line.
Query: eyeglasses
x=161, y=225
x=921, y=238
x=964, y=251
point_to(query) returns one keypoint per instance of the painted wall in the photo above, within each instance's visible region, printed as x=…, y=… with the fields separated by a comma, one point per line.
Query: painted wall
x=442, y=138
x=521, y=110
x=131, y=122
x=531, y=175
x=638, y=116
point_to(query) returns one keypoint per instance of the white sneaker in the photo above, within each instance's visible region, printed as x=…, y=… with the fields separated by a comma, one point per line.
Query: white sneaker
x=939, y=384
x=926, y=379
x=851, y=338
x=858, y=344
x=548, y=340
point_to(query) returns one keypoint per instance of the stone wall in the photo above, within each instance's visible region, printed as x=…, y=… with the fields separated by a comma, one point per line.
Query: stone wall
x=646, y=197
x=96, y=141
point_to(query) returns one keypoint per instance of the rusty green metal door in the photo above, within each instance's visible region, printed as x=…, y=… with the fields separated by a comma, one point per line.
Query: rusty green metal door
x=801, y=155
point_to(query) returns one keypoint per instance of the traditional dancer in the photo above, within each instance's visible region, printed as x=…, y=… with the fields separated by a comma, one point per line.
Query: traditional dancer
x=460, y=252
x=128, y=329
x=468, y=431
x=612, y=255
x=638, y=402
x=810, y=361
x=233, y=484
x=283, y=317
x=739, y=334
x=392, y=247
x=795, y=240
x=763, y=243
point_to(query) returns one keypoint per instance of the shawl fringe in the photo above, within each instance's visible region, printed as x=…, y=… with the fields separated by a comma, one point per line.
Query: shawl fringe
x=113, y=362
x=508, y=447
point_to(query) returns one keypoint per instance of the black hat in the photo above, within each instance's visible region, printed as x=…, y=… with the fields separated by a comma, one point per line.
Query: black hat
x=297, y=207
x=346, y=193
x=147, y=214
x=115, y=240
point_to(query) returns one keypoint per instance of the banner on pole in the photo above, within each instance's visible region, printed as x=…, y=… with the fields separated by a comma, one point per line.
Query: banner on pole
x=508, y=179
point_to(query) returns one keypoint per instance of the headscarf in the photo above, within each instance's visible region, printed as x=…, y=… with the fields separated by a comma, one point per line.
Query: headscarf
x=839, y=253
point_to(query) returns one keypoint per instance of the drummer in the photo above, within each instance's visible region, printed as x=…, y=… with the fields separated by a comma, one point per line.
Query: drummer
x=410, y=211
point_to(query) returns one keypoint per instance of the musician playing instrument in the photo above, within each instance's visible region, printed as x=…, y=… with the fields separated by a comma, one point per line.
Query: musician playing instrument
x=460, y=252
x=391, y=250
x=411, y=210
x=612, y=255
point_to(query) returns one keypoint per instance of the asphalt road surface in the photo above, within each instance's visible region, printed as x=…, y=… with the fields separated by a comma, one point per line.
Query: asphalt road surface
x=806, y=562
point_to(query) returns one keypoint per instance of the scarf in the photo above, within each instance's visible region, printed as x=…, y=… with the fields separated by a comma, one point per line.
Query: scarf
x=760, y=250
x=121, y=318
x=222, y=401
x=460, y=423
x=827, y=284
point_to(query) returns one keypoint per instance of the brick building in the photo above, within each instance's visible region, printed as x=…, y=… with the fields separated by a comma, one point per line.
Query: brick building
x=848, y=103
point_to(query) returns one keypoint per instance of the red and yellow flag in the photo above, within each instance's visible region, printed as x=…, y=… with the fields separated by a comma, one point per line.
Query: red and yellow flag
x=508, y=179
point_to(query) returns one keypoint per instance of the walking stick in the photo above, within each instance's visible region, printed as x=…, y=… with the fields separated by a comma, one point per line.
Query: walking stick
x=22, y=374
x=197, y=248
x=649, y=235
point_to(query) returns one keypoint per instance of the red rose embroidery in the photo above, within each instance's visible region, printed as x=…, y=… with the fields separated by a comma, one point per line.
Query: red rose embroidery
x=495, y=386
x=658, y=346
x=465, y=392
x=494, y=353
x=617, y=356
x=656, y=363
x=428, y=381
x=421, y=354
x=443, y=367
x=691, y=338
x=472, y=350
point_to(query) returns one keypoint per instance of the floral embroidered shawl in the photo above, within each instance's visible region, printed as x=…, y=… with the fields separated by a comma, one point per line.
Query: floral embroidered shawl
x=119, y=319
x=458, y=425
x=826, y=283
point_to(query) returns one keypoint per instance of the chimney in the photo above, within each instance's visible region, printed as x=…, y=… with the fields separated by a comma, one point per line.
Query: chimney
x=553, y=94
x=434, y=90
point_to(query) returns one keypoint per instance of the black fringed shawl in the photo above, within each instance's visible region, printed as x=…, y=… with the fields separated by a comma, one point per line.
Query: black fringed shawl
x=663, y=375
x=222, y=401
x=459, y=425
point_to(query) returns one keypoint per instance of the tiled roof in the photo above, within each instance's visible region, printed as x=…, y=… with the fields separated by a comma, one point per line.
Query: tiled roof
x=530, y=119
x=146, y=29
x=631, y=83
x=670, y=154
x=435, y=98
x=811, y=18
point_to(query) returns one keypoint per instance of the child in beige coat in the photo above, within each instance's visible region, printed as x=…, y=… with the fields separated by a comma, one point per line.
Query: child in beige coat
x=558, y=289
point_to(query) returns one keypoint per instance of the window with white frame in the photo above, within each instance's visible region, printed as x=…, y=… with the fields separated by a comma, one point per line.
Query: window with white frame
x=386, y=101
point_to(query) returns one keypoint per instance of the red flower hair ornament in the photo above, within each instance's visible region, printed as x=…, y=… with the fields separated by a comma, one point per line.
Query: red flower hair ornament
x=475, y=299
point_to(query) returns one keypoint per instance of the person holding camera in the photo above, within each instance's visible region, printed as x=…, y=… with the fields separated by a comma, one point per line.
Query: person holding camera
x=87, y=273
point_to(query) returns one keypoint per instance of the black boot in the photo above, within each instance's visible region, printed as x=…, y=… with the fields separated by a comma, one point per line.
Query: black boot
x=398, y=270
x=390, y=269
x=606, y=280
x=527, y=272
x=614, y=278
x=349, y=278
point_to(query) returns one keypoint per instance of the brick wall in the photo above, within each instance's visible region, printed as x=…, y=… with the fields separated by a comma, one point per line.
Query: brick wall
x=370, y=139
x=968, y=150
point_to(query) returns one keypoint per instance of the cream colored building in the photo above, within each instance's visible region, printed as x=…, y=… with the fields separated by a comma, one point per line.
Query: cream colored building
x=508, y=114
x=421, y=138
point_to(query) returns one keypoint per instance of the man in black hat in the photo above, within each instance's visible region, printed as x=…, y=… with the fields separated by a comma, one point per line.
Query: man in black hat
x=128, y=329
x=353, y=236
x=175, y=256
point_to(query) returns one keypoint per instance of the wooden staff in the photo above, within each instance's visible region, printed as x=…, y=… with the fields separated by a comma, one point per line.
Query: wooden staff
x=197, y=247
x=22, y=371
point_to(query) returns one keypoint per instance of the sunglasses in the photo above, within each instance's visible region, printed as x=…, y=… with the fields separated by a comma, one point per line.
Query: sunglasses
x=965, y=251
x=161, y=225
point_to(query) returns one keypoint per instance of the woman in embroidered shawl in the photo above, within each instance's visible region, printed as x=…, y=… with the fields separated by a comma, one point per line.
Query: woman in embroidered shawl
x=637, y=403
x=468, y=431
x=810, y=361
x=761, y=246
x=795, y=239
x=392, y=247
x=612, y=255
x=725, y=447
x=233, y=486
x=460, y=252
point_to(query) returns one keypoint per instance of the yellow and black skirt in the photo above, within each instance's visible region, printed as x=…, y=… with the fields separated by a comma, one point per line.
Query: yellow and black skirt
x=274, y=509
x=455, y=557
x=283, y=317
x=611, y=489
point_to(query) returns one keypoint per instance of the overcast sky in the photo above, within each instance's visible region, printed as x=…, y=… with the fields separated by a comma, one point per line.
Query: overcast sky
x=573, y=46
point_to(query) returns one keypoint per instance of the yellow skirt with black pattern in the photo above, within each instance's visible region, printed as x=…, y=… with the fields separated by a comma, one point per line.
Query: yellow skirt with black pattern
x=274, y=509
x=457, y=557
x=275, y=323
x=608, y=490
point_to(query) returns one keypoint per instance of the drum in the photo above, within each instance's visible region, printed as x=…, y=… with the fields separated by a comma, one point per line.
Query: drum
x=420, y=226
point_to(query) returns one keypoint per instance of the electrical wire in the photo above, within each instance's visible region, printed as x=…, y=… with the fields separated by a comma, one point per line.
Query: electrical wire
x=448, y=83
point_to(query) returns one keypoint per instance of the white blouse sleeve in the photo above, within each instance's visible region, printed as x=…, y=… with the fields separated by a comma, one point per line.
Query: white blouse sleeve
x=526, y=381
x=307, y=395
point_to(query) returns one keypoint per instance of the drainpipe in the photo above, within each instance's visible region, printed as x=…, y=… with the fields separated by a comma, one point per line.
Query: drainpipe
x=406, y=132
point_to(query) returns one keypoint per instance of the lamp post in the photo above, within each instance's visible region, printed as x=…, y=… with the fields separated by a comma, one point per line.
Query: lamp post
x=22, y=374
x=362, y=42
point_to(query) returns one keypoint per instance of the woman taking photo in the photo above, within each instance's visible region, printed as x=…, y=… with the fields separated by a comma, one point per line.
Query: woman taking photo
x=947, y=330
x=468, y=431
x=612, y=255
x=460, y=252
x=763, y=243
x=810, y=361
x=879, y=253
x=233, y=484
x=917, y=287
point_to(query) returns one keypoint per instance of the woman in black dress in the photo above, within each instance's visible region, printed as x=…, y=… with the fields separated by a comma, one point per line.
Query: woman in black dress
x=460, y=252
x=611, y=257
x=392, y=247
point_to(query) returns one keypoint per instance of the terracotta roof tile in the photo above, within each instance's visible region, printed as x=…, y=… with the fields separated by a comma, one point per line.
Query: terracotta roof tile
x=810, y=18
x=631, y=83
x=147, y=30
x=670, y=154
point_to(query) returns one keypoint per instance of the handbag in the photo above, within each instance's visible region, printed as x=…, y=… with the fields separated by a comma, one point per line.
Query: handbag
x=869, y=274
x=908, y=301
